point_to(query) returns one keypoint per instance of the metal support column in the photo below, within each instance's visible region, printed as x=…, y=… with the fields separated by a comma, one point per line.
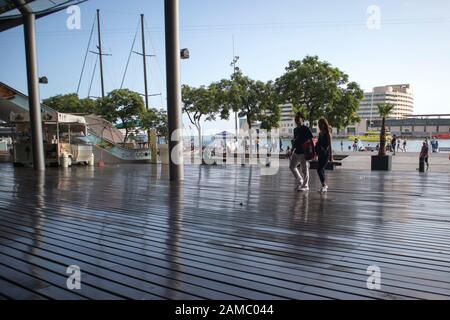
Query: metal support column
x=171, y=9
x=29, y=22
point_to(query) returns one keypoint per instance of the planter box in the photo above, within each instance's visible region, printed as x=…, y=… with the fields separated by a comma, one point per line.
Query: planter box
x=381, y=163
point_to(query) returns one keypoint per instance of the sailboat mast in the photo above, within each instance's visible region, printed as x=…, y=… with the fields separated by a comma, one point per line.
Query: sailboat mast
x=100, y=53
x=144, y=57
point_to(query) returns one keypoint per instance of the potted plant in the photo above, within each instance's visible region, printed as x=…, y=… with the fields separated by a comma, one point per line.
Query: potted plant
x=382, y=161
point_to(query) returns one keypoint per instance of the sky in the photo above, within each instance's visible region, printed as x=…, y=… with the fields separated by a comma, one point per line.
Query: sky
x=410, y=44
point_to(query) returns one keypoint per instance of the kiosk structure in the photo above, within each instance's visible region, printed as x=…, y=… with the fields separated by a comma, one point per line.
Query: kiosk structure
x=64, y=135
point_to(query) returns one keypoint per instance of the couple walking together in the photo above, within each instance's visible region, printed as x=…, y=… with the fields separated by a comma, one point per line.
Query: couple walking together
x=304, y=151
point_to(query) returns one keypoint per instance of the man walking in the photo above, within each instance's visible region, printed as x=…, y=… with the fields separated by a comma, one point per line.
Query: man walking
x=302, y=134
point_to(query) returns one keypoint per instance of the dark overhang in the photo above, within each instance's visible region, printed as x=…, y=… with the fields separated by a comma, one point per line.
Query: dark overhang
x=11, y=10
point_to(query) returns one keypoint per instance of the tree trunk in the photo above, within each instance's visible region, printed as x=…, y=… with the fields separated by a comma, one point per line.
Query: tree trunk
x=382, y=151
x=126, y=136
x=250, y=139
x=200, y=143
x=311, y=123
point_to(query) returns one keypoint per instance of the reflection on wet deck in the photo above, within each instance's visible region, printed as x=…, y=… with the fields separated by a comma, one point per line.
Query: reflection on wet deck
x=225, y=233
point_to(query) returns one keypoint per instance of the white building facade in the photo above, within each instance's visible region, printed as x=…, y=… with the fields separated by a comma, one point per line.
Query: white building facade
x=401, y=96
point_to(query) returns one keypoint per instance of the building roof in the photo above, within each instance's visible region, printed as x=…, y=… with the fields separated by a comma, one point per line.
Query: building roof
x=11, y=10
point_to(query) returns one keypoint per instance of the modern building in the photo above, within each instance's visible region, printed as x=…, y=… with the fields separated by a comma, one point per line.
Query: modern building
x=401, y=96
x=437, y=125
x=287, y=123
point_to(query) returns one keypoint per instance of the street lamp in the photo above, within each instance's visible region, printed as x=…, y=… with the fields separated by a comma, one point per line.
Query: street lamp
x=43, y=80
x=184, y=53
x=235, y=70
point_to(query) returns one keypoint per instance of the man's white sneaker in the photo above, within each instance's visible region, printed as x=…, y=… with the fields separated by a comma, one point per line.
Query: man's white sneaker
x=303, y=189
x=323, y=189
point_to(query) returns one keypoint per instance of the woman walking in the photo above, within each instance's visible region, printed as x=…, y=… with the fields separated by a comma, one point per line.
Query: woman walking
x=424, y=154
x=324, y=152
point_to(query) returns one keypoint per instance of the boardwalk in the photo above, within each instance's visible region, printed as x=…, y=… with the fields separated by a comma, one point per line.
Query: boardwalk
x=226, y=233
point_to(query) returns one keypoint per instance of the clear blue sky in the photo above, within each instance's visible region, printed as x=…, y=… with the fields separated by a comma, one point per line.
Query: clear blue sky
x=412, y=46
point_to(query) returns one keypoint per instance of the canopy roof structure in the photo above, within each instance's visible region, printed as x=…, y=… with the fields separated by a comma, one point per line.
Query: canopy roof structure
x=11, y=10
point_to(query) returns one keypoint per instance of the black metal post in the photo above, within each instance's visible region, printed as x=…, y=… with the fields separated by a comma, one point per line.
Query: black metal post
x=176, y=170
x=29, y=22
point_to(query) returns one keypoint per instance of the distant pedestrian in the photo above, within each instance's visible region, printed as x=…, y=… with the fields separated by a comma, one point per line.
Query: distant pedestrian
x=424, y=154
x=324, y=152
x=404, y=145
x=302, y=135
x=355, y=145
x=342, y=145
x=437, y=145
x=393, y=144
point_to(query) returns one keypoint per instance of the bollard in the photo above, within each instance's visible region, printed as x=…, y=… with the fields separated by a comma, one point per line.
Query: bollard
x=91, y=162
x=64, y=160
x=421, y=164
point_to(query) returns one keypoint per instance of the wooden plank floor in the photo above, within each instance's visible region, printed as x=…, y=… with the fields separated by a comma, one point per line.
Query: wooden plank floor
x=225, y=233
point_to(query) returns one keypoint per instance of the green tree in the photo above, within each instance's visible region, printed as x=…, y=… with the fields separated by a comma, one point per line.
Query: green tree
x=344, y=111
x=155, y=119
x=88, y=106
x=70, y=103
x=200, y=105
x=162, y=125
x=384, y=110
x=254, y=100
x=318, y=89
x=122, y=105
x=271, y=114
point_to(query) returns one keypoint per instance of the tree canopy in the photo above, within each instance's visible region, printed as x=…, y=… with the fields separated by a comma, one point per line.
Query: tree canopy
x=155, y=119
x=199, y=104
x=122, y=105
x=71, y=103
x=317, y=89
x=254, y=100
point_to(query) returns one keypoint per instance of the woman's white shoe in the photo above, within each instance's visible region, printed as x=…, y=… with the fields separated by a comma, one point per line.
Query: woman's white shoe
x=323, y=189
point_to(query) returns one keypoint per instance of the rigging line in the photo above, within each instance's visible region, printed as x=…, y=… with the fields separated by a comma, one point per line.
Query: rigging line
x=92, y=79
x=129, y=57
x=86, y=55
x=275, y=25
x=158, y=63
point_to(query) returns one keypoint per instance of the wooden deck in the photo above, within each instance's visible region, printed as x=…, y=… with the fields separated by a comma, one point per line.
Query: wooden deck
x=226, y=233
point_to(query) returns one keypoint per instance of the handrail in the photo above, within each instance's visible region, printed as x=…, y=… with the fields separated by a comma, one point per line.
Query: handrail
x=115, y=144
